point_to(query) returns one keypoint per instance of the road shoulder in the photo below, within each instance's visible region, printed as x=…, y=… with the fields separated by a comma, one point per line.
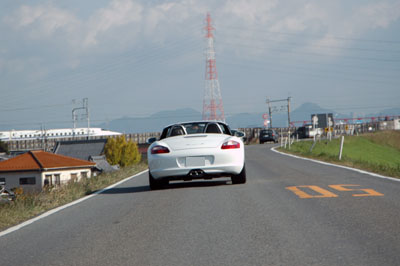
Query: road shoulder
x=336, y=165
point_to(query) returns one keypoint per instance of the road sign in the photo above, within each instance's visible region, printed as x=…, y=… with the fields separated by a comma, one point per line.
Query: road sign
x=266, y=122
x=265, y=116
x=323, y=120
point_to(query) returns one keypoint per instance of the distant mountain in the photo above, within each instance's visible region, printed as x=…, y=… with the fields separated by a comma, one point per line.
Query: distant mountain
x=280, y=119
x=245, y=120
x=157, y=121
x=153, y=123
x=386, y=112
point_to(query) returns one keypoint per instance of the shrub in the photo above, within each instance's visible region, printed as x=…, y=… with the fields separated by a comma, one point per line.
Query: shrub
x=122, y=152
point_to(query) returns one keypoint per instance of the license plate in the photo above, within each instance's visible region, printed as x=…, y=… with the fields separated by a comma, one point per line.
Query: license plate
x=195, y=161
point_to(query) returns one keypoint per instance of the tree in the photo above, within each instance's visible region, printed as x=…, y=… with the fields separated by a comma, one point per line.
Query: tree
x=122, y=152
x=111, y=151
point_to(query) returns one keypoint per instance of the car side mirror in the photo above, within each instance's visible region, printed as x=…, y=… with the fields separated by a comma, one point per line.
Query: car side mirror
x=151, y=140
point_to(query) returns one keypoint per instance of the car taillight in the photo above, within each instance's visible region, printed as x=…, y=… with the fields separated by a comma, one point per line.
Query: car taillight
x=159, y=149
x=231, y=144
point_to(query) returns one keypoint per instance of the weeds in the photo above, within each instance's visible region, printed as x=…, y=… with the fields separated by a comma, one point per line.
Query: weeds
x=377, y=152
x=28, y=205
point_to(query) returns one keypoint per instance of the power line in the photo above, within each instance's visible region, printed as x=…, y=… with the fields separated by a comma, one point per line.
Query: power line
x=263, y=48
x=316, y=69
x=313, y=75
x=34, y=107
x=300, y=44
x=150, y=116
x=99, y=74
x=308, y=35
x=159, y=50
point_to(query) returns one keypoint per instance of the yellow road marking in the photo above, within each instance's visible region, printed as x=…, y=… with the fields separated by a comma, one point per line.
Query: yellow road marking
x=368, y=191
x=303, y=195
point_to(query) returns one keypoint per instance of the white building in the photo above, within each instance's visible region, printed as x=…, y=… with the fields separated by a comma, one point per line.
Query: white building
x=35, y=169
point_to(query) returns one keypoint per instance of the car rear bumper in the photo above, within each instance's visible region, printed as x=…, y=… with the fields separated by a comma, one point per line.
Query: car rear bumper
x=202, y=172
x=177, y=166
x=264, y=139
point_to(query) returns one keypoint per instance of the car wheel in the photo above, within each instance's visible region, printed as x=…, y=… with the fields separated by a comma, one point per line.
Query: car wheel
x=261, y=142
x=240, y=178
x=156, y=184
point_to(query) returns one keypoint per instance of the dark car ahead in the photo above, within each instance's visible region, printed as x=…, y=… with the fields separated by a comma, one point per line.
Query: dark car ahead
x=268, y=135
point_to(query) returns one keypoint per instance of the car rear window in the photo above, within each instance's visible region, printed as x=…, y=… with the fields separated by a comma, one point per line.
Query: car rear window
x=194, y=128
x=266, y=132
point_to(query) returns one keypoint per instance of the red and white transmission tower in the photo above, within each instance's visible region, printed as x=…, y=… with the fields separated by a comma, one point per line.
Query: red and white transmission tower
x=212, y=102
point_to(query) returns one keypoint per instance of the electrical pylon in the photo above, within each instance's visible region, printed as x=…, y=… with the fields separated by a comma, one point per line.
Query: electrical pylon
x=212, y=102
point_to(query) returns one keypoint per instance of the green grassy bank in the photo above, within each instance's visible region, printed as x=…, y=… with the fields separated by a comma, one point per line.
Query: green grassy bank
x=26, y=206
x=377, y=152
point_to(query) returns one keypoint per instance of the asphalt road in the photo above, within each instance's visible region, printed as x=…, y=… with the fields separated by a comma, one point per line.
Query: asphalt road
x=290, y=212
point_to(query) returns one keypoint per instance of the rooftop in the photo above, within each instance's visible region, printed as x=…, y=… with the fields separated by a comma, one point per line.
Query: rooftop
x=40, y=160
x=81, y=149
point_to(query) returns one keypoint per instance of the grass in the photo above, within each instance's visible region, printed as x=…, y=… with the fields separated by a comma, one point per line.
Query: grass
x=27, y=206
x=377, y=152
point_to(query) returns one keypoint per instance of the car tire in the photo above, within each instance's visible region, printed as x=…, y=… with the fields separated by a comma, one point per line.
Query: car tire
x=261, y=142
x=156, y=184
x=240, y=178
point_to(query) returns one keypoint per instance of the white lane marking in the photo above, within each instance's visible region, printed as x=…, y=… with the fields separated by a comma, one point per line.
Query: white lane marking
x=336, y=165
x=48, y=213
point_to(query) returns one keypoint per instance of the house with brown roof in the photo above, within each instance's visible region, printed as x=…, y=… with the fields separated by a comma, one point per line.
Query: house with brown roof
x=35, y=169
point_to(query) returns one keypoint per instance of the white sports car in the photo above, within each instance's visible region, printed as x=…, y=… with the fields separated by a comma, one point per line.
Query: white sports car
x=195, y=150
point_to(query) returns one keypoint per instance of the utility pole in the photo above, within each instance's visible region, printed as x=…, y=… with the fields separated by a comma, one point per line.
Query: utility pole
x=270, y=112
x=87, y=116
x=288, y=111
x=43, y=132
x=85, y=106
x=274, y=101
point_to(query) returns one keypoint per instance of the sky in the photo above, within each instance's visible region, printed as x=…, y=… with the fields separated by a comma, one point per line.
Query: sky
x=134, y=58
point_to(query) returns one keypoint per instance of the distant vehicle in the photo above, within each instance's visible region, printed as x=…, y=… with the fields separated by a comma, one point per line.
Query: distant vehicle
x=195, y=150
x=307, y=131
x=268, y=135
x=54, y=133
x=239, y=134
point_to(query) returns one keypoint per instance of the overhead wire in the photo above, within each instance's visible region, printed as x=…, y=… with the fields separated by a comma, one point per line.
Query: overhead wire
x=288, y=51
x=301, y=44
x=139, y=61
x=261, y=28
x=120, y=61
x=259, y=67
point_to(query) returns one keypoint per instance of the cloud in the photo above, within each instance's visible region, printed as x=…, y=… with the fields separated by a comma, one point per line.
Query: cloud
x=377, y=15
x=117, y=14
x=172, y=14
x=341, y=28
x=32, y=68
x=43, y=20
x=123, y=23
x=250, y=11
x=309, y=17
